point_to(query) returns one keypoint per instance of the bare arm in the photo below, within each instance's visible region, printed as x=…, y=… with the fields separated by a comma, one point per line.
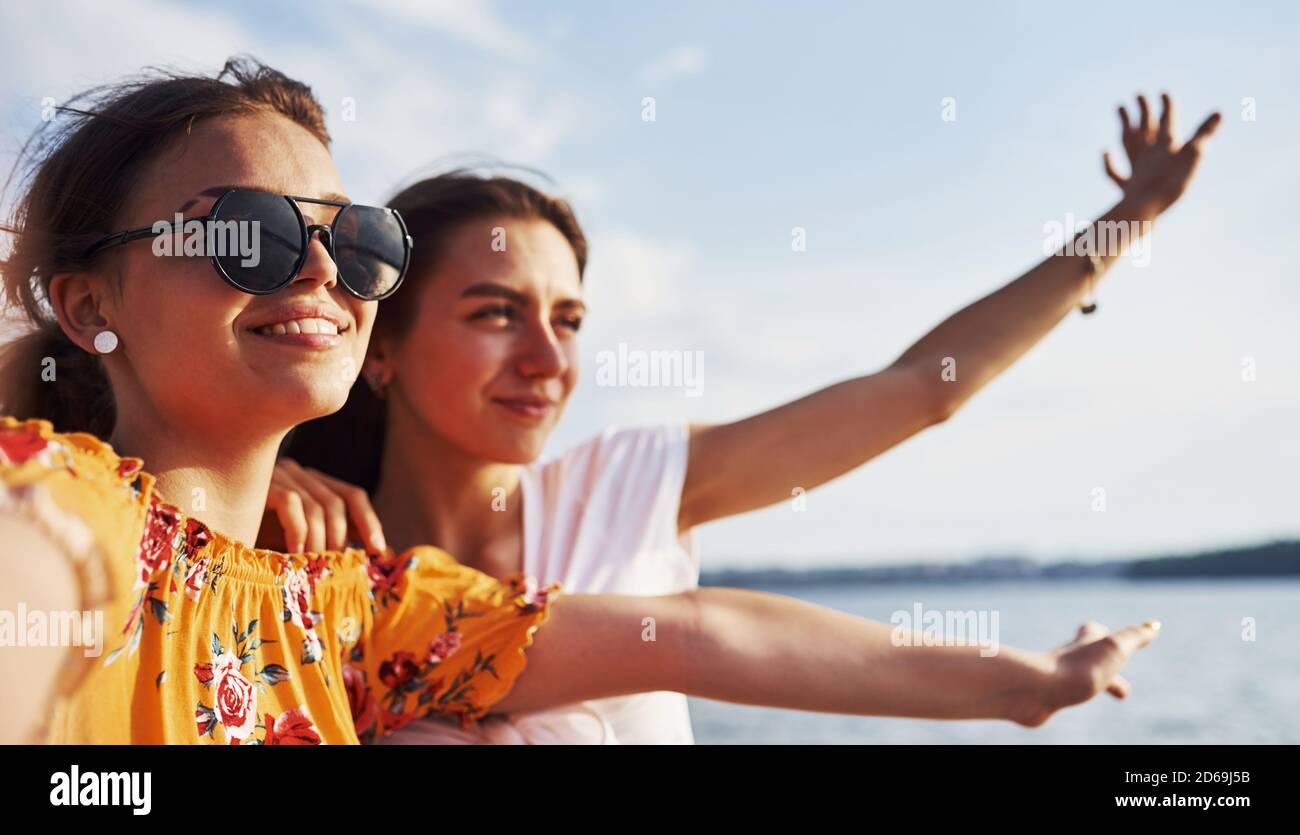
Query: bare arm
x=757, y=648
x=757, y=461
x=34, y=574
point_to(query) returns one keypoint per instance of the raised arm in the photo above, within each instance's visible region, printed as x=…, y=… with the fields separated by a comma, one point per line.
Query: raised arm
x=763, y=649
x=742, y=466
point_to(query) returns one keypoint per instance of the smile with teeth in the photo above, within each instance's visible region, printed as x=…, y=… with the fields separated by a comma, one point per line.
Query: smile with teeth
x=306, y=325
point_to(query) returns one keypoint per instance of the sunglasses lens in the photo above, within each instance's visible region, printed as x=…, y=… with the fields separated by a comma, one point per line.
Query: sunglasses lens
x=370, y=247
x=261, y=240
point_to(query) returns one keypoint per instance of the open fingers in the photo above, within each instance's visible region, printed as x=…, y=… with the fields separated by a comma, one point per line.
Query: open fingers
x=1166, y=134
x=359, y=509
x=1145, y=125
x=315, y=522
x=1206, y=130
x=1119, y=687
x=1130, y=137
x=290, y=491
x=327, y=517
x=287, y=506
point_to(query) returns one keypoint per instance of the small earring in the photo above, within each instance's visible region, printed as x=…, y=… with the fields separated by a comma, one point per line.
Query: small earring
x=105, y=342
x=375, y=380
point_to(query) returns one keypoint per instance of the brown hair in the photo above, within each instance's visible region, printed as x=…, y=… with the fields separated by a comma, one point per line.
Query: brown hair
x=80, y=171
x=437, y=207
x=349, y=443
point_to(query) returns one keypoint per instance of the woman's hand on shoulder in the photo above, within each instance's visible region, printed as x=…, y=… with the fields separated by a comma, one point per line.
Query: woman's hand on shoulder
x=307, y=510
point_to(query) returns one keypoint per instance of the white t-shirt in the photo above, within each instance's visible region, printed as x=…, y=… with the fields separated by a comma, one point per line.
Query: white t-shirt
x=600, y=518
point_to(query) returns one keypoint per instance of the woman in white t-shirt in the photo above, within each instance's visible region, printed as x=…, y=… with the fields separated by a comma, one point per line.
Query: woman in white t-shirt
x=471, y=367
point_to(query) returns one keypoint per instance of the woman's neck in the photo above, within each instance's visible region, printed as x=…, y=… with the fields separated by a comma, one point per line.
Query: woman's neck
x=220, y=479
x=432, y=492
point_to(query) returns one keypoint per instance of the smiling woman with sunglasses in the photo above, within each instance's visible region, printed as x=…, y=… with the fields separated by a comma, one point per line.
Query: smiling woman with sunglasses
x=368, y=244
x=191, y=636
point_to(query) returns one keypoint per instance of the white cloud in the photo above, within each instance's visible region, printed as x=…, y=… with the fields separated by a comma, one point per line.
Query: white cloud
x=586, y=192
x=681, y=62
x=635, y=279
x=403, y=129
x=473, y=21
x=113, y=40
x=532, y=123
x=409, y=113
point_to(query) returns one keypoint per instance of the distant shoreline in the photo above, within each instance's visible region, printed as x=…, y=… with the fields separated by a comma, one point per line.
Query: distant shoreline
x=1275, y=559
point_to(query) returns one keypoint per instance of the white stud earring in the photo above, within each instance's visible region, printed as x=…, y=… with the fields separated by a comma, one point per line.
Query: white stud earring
x=105, y=342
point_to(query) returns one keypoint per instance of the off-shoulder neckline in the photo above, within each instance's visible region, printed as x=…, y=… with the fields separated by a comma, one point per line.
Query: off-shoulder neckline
x=97, y=448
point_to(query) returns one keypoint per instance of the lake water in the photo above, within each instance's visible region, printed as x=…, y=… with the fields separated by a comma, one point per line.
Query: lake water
x=1199, y=682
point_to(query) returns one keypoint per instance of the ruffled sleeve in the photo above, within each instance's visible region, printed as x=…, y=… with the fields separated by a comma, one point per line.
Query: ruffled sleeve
x=446, y=639
x=88, y=503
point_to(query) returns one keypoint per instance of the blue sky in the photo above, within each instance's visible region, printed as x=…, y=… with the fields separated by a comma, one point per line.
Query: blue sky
x=827, y=117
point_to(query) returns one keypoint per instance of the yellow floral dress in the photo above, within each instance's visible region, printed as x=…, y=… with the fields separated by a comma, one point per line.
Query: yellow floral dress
x=203, y=639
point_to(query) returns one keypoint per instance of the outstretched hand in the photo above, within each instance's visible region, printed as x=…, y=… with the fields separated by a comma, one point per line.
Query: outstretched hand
x=1085, y=667
x=1160, y=168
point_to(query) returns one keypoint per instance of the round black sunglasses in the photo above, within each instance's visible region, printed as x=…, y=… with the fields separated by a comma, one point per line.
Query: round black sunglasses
x=258, y=242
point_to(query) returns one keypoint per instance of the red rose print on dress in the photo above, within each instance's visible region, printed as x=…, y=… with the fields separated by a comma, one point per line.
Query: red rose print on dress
x=317, y=569
x=162, y=525
x=297, y=597
x=196, y=536
x=234, y=695
x=197, y=578
x=293, y=727
x=129, y=468
x=364, y=708
x=443, y=647
x=399, y=670
x=205, y=720
x=297, y=587
x=418, y=686
x=18, y=447
x=235, y=699
x=385, y=576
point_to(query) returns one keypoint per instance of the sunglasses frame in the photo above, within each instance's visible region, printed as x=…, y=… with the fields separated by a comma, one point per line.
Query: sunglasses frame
x=308, y=232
